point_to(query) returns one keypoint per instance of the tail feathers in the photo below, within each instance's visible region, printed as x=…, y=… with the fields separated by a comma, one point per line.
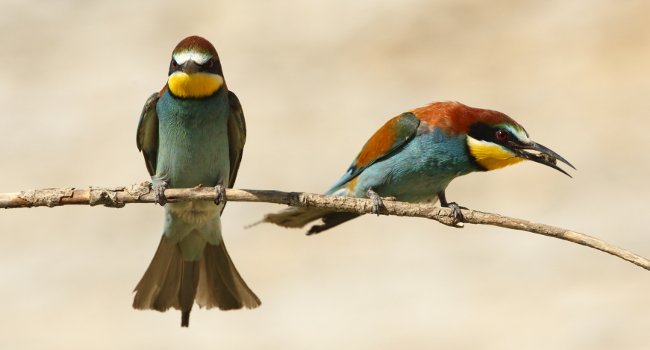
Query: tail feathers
x=169, y=282
x=299, y=217
x=295, y=217
x=331, y=220
x=220, y=285
x=189, y=282
x=158, y=288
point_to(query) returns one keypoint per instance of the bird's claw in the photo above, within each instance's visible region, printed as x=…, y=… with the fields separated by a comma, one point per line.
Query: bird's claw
x=159, y=190
x=220, y=194
x=377, y=203
x=456, y=212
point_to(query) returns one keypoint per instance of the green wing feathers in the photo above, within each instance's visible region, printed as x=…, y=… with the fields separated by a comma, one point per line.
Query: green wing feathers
x=236, y=136
x=147, y=135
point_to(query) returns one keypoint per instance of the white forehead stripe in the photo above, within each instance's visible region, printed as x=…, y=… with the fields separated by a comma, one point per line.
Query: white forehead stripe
x=519, y=133
x=197, y=57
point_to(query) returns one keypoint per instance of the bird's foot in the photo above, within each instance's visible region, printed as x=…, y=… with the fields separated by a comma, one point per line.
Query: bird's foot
x=159, y=188
x=220, y=192
x=456, y=212
x=377, y=202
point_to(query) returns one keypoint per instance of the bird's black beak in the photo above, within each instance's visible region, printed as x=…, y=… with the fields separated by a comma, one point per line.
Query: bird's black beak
x=541, y=154
x=190, y=67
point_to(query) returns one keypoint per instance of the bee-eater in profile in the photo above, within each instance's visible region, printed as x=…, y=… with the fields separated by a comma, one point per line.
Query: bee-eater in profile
x=415, y=155
x=192, y=133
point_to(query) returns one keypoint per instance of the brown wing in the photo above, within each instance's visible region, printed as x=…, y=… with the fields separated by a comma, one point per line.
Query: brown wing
x=390, y=138
x=236, y=136
x=147, y=136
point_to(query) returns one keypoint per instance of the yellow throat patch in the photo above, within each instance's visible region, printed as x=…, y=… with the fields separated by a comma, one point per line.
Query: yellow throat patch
x=490, y=155
x=194, y=85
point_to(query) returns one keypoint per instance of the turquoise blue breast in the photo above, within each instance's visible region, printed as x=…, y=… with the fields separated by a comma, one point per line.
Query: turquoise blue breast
x=193, y=140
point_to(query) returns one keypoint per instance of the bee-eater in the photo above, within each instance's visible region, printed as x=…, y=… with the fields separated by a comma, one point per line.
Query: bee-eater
x=192, y=133
x=415, y=155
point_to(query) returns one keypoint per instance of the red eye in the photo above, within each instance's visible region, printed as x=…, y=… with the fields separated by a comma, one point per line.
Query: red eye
x=174, y=64
x=501, y=135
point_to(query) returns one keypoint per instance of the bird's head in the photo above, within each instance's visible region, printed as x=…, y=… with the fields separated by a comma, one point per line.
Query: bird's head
x=194, y=70
x=495, y=140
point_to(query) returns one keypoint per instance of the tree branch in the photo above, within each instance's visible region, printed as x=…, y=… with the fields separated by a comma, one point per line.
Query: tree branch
x=117, y=197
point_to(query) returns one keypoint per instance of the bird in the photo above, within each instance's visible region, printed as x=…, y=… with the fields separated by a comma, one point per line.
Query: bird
x=192, y=133
x=414, y=156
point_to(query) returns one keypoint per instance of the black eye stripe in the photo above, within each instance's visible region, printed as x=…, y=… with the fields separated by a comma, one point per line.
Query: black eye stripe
x=213, y=65
x=484, y=132
x=174, y=66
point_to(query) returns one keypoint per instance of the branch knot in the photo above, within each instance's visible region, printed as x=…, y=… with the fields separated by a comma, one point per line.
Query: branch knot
x=50, y=197
x=105, y=196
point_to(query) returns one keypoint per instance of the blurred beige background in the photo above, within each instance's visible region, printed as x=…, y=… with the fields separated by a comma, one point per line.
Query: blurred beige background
x=316, y=79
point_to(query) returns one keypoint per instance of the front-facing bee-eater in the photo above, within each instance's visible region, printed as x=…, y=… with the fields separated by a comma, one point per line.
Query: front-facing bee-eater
x=415, y=155
x=192, y=133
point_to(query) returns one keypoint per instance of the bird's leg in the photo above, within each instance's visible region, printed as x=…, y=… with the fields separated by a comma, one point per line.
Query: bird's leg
x=220, y=191
x=159, y=188
x=377, y=202
x=456, y=214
